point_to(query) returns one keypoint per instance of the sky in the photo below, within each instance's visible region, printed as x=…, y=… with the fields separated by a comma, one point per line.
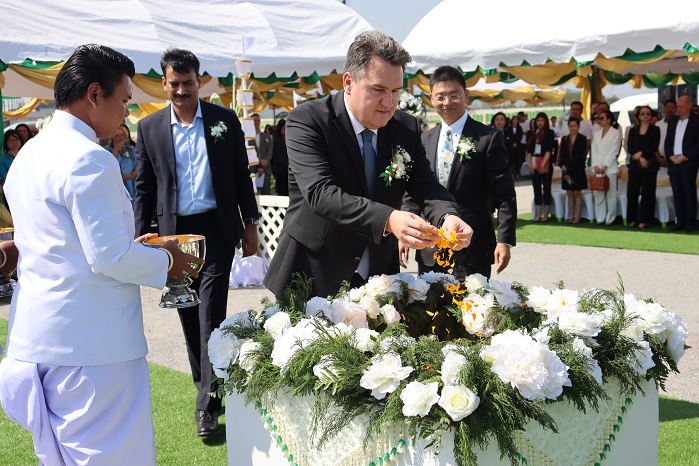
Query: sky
x=398, y=17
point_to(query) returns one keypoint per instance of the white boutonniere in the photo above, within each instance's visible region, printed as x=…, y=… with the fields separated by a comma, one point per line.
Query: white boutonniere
x=218, y=130
x=465, y=148
x=399, y=169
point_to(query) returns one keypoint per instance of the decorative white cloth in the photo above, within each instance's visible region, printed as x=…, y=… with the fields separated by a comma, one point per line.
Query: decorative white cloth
x=89, y=415
x=247, y=271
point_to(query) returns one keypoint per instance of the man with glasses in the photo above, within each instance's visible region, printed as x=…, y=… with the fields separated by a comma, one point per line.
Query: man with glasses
x=682, y=152
x=479, y=179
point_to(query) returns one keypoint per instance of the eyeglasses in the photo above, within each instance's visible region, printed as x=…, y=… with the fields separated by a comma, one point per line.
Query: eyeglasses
x=441, y=99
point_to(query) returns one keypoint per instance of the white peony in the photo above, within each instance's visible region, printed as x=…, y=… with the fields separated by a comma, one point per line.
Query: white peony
x=561, y=301
x=223, y=351
x=276, y=325
x=506, y=296
x=365, y=339
x=384, y=375
x=458, y=401
x=355, y=294
x=475, y=282
x=317, y=305
x=538, y=299
x=325, y=370
x=474, y=311
x=389, y=313
x=344, y=310
x=643, y=359
x=247, y=359
x=418, y=398
x=418, y=290
x=382, y=284
x=592, y=364
x=370, y=305
x=579, y=323
x=342, y=329
x=527, y=365
x=294, y=339
x=451, y=367
x=542, y=335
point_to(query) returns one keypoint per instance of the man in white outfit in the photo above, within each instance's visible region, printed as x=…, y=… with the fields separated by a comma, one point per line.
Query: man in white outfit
x=75, y=373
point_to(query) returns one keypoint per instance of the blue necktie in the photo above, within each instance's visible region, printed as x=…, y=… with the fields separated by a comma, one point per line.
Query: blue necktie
x=369, y=157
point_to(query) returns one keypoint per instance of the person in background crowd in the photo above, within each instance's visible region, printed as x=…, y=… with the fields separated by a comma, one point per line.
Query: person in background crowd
x=643, y=169
x=24, y=132
x=594, y=108
x=682, y=152
x=515, y=156
x=526, y=125
x=10, y=148
x=263, y=146
x=540, y=148
x=269, y=129
x=695, y=109
x=634, y=123
x=670, y=110
x=280, y=160
x=555, y=128
x=33, y=131
x=121, y=147
x=655, y=118
x=573, y=153
x=606, y=144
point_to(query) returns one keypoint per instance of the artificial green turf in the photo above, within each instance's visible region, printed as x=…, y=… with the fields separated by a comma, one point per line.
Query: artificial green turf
x=177, y=444
x=654, y=238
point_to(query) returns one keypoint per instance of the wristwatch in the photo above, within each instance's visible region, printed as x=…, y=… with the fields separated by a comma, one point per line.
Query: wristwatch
x=252, y=221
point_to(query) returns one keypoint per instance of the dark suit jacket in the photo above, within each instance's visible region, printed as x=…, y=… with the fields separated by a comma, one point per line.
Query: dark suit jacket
x=479, y=185
x=330, y=220
x=156, y=183
x=690, y=143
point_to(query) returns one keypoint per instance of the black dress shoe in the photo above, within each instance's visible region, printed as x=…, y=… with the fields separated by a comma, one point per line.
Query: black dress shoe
x=688, y=229
x=207, y=423
x=678, y=227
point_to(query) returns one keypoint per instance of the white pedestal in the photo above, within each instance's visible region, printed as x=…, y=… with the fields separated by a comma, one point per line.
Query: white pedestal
x=250, y=444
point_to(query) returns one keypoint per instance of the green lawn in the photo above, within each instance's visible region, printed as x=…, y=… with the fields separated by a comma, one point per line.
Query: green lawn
x=655, y=238
x=177, y=444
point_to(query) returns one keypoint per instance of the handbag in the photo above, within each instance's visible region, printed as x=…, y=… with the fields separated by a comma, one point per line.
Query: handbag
x=538, y=164
x=599, y=183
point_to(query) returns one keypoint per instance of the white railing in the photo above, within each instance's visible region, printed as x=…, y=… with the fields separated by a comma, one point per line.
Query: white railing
x=272, y=210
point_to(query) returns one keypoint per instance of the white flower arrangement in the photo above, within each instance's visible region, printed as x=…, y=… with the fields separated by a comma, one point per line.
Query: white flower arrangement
x=218, y=130
x=425, y=352
x=465, y=148
x=413, y=105
x=400, y=165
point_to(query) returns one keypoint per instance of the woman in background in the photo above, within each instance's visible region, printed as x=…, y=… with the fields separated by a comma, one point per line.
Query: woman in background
x=644, y=139
x=10, y=148
x=606, y=144
x=540, y=145
x=122, y=147
x=573, y=153
x=280, y=160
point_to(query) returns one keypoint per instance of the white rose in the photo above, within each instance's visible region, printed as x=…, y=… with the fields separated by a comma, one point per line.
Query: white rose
x=365, y=339
x=451, y=367
x=278, y=324
x=676, y=338
x=344, y=310
x=355, y=294
x=294, y=339
x=418, y=398
x=475, y=282
x=389, y=313
x=458, y=401
x=317, y=305
x=538, y=299
x=633, y=331
x=342, y=329
x=223, y=351
x=384, y=375
x=371, y=307
x=418, y=290
x=247, y=359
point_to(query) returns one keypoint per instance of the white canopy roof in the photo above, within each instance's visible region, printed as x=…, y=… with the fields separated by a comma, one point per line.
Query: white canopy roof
x=457, y=33
x=299, y=36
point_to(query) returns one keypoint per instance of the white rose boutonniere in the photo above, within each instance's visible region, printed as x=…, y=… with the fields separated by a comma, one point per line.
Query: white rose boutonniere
x=399, y=169
x=465, y=148
x=218, y=130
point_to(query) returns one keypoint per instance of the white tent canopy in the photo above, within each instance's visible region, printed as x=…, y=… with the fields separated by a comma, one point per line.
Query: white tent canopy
x=300, y=36
x=457, y=33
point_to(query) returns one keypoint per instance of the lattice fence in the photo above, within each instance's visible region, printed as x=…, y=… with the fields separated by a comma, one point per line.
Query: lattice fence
x=272, y=211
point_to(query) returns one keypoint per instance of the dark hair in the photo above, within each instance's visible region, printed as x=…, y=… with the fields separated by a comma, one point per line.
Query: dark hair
x=492, y=120
x=278, y=129
x=182, y=61
x=29, y=131
x=673, y=101
x=447, y=73
x=8, y=133
x=537, y=135
x=89, y=64
x=577, y=102
x=514, y=119
x=129, y=140
x=609, y=115
x=374, y=44
x=521, y=113
x=575, y=119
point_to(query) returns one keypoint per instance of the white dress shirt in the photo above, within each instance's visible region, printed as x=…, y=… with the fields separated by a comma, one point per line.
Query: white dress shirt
x=679, y=136
x=662, y=125
x=605, y=150
x=195, y=189
x=77, y=301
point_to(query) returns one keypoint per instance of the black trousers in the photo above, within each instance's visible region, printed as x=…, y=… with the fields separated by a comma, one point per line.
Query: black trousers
x=212, y=286
x=541, y=182
x=641, y=182
x=684, y=191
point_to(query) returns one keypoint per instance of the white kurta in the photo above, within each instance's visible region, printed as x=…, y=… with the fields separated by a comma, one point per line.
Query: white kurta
x=75, y=368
